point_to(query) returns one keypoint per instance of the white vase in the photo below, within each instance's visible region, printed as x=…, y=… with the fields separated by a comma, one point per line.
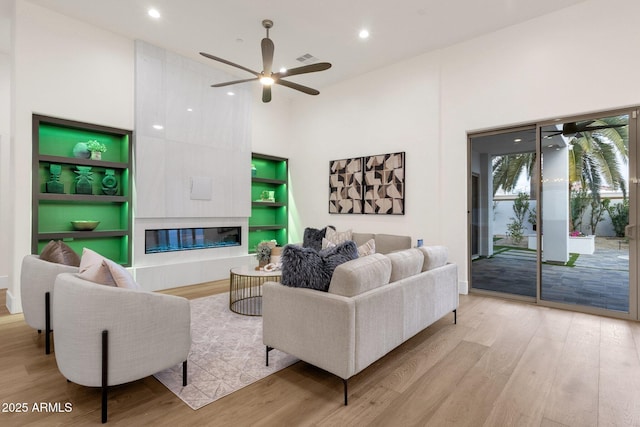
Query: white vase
x=96, y=155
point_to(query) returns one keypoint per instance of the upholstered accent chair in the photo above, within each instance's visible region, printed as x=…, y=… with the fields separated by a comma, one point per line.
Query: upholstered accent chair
x=36, y=286
x=106, y=335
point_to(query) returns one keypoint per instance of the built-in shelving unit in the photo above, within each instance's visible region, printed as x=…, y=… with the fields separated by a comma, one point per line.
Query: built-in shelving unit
x=54, y=141
x=269, y=218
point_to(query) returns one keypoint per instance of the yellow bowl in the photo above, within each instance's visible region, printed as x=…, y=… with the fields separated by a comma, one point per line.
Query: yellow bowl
x=84, y=225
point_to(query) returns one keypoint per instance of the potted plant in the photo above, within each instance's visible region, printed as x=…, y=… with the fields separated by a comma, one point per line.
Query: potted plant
x=263, y=253
x=96, y=148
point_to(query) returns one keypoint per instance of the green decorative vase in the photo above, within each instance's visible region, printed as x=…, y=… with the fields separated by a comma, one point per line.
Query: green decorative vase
x=54, y=185
x=84, y=180
x=109, y=183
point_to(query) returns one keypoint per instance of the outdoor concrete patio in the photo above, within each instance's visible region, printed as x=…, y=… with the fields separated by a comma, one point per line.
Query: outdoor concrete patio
x=599, y=280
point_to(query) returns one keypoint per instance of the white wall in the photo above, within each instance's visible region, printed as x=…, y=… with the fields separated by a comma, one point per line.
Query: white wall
x=424, y=106
x=6, y=29
x=531, y=72
x=68, y=69
x=391, y=110
x=427, y=105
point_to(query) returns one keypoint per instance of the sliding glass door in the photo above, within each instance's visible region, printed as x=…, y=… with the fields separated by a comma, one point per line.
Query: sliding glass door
x=553, y=213
x=588, y=213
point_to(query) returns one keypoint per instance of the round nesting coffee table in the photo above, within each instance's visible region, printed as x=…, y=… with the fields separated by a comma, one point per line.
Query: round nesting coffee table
x=245, y=289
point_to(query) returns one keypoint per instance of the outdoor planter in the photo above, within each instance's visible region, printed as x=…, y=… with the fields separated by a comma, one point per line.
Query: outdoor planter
x=584, y=245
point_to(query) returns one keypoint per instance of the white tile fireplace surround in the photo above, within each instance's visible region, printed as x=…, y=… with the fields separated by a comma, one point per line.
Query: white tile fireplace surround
x=192, y=165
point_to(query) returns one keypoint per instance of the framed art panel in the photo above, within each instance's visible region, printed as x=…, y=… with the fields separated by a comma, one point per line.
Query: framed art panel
x=345, y=186
x=384, y=184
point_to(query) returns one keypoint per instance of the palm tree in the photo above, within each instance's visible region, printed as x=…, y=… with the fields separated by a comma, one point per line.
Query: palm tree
x=594, y=159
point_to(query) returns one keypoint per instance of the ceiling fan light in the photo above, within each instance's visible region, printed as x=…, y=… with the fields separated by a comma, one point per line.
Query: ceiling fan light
x=266, y=81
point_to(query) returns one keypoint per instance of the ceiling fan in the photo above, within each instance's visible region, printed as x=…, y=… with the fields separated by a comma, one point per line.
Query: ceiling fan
x=573, y=128
x=267, y=77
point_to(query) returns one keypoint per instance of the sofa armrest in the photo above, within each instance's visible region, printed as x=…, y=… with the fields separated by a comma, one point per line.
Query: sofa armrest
x=314, y=326
x=148, y=332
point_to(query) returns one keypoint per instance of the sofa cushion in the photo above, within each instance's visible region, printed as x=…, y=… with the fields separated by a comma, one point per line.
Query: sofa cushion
x=307, y=268
x=405, y=263
x=58, y=252
x=434, y=256
x=387, y=243
x=360, y=275
x=362, y=238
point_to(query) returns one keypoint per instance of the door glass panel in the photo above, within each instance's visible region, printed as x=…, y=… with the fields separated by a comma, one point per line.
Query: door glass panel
x=503, y=205
x=584, y=212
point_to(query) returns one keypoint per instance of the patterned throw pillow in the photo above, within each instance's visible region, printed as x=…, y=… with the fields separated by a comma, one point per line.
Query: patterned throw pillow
x=307, y=268
x=338, y=236
x=367, y=248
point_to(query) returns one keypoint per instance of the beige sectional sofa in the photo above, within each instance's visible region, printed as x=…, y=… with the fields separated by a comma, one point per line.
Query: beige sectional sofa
x=374, y=303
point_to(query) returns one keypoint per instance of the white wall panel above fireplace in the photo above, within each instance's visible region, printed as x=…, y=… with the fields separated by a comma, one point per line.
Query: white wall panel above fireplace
x=185, y=128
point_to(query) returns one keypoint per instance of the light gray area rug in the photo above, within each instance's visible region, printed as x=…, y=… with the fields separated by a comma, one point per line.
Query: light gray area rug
x=226, y=354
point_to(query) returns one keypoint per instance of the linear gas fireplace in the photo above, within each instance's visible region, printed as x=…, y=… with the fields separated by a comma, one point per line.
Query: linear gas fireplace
x=184, y=239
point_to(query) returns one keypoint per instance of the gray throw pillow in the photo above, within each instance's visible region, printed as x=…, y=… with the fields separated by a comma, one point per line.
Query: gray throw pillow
x=60, y=253
x=307, y=268
x=312, y=237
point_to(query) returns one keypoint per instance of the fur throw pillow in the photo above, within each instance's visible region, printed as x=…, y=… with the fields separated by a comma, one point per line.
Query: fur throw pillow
x=312, y=237
x=306, y=268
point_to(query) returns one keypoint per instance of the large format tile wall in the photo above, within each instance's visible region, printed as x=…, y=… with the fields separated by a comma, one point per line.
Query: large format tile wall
x=192, y=164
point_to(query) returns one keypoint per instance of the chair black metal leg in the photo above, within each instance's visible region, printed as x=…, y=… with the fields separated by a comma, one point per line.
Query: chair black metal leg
x=105, y=370
x=184, y=373
x=267, y=354
x=455, y=316
x=345, y=392
x=47, y=323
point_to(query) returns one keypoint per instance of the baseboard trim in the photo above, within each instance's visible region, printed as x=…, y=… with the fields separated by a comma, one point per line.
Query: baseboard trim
x=463, y=287
x=13, y=304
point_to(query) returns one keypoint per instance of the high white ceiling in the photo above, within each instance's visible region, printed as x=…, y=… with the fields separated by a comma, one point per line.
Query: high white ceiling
x=326, y=29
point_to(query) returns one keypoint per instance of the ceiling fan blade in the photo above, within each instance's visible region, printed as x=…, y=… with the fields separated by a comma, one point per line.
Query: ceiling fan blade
x=266, y=93
x=592, y=128
x=297, y=86
x=267, y=56
x=224, y=61
x=234, y=82
x=311, y=68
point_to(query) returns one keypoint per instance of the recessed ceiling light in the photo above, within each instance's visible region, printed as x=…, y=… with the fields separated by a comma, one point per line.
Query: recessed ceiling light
x=517, y=140
x=283, y=69
x=230, y=93
x=154, y=13
x=158, y=127
x=364, y=34
x=189, y=109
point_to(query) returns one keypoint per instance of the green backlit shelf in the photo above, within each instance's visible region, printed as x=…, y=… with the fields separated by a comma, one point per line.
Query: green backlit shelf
x=269, y=219
x=53, y=142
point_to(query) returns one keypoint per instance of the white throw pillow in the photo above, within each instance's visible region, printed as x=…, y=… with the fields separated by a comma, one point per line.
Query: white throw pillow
x=98, y=269
x=93, y=269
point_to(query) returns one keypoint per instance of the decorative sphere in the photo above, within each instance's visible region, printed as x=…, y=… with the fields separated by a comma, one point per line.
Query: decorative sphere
x=80, y=151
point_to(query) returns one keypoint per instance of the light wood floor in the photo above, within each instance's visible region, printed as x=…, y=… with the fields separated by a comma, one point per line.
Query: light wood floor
x=504, y=364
